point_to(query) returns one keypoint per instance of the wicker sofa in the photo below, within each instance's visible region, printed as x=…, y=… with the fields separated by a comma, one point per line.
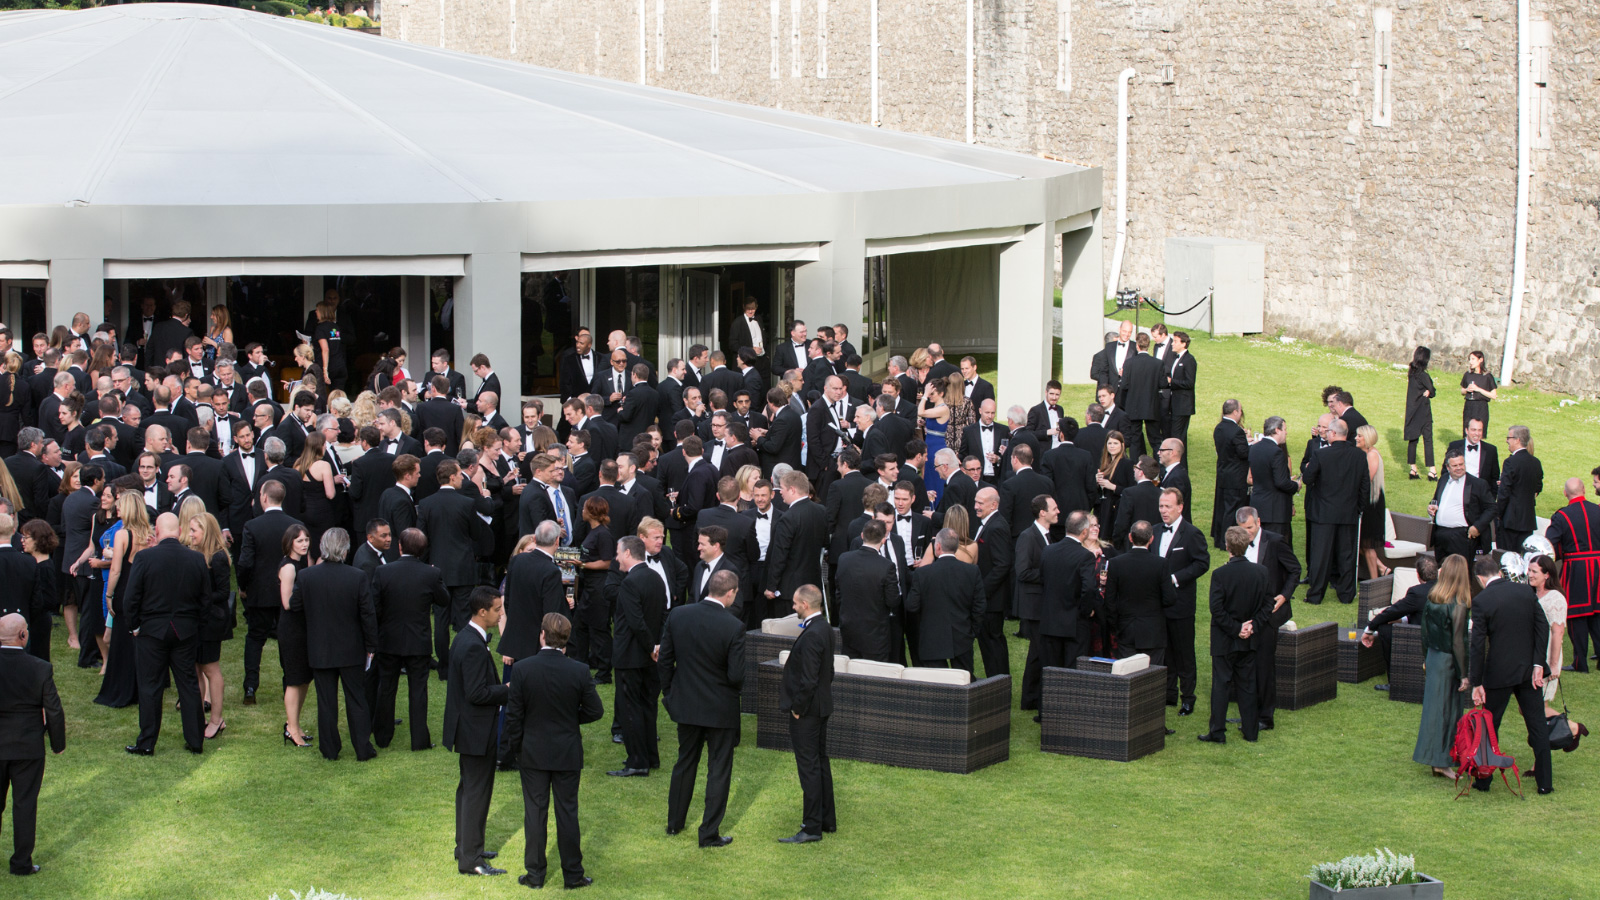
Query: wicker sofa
x=1308, y=665
x=1405, y=663
x=774, y=637
x=900, y=722
x=1405, y=538
x=1088, y=711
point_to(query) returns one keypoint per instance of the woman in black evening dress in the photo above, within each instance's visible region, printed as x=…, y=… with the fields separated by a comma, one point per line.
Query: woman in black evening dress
x=318, y=490
x=1478, y=388
x=1419, y=412
x=293, y=657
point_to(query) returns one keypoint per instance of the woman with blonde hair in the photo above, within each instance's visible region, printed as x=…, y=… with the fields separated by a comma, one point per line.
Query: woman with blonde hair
x=14, y=398
x=1375, y=517
x=8, y=488
x=543, y=437
x=128, y=536
x=364, y=410
x=746, y=477
x=203, y=535
x=219, y=330
x=1444, y=640
x=962, y=412
x=920, y=362
x=192, y=506
x=956, y=519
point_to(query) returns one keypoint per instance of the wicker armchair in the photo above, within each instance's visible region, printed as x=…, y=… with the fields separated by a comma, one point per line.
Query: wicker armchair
x=1405, y=663
x=915, y=724
x=1308, y=665
x=1358, y=663
x=1412, y=535
x=1090, y=712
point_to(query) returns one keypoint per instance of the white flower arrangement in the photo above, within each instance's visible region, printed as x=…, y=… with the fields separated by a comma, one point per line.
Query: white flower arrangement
x=1382, y=869
x=313, y=894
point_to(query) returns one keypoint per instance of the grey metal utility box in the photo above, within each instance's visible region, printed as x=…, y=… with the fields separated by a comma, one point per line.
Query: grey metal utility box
x=1236, y=270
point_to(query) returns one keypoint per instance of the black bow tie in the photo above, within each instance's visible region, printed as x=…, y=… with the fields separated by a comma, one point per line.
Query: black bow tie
x=986, y=427
x=761, y=515
x=1472, y=447
x=654, y=559
x=969, y=384
x=905, y=518
x=1169, y=529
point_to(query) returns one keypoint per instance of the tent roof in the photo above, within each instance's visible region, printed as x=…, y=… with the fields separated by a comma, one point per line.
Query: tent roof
x=173, y=104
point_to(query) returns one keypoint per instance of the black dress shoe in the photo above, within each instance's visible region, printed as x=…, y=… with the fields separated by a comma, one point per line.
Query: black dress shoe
x=31, y=870
x=616, y=739
x=801, y=837
x=490, y=854
x=484, y=870
x=1172, y=731
x=719, y=841
x=195, y=750
x=1039, y=718
x=1542, y=791
x=530, y=881
x=140, y=751
x=1211, y=740
x=1172, y=703
x=1311, y=601
x=1186, y=710
x=672, y=831
x=829, y=829
x=1568, y=669
x=250, y=697
x=630, y=773
x=1380, y=687
x=1264, y=725
x=583, y=882
x=1251, y=739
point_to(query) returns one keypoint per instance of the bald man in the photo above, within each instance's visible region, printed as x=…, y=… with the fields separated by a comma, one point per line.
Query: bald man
x=167, y=590
x=29, y=707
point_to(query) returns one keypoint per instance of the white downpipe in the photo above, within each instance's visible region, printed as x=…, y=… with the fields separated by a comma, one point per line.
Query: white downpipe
x=642, y=44
x=876, y=120
x=970, y=137
x=1519, y=257
x=1122, y=180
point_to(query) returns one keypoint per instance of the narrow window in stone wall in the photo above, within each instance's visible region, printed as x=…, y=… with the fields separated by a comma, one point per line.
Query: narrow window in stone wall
x=822, y=38
x=1382, y=71
x=513, y=27
x=661, y=35
x=715, y=63
x=1541, y=115
x=794, y=38
x=777, y=21
x=1064, y=45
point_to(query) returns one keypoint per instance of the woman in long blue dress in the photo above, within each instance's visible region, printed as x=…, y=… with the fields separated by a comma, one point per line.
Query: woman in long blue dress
x=935, y=419
x=122, y=541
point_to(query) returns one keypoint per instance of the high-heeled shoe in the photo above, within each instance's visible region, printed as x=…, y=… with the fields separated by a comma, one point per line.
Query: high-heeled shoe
x=1432, y=475
x=1413, y=475
x=289, y=738
x=1583, y=732
x=221, y=727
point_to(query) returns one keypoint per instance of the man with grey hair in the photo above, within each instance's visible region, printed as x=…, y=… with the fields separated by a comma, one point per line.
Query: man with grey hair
x=1521, y=480
x=274, y=450
x=341, y=639
x=948, y=596
x=33, y=708
x=61, y=387
x=26, y=469
x=1272, y=489
x=1337, y=490
x=1070, y=595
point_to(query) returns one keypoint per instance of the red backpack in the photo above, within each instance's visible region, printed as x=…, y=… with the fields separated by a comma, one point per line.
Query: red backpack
x=1476, y=752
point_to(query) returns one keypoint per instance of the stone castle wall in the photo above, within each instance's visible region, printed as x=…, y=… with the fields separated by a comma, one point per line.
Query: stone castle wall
x=1250, y=119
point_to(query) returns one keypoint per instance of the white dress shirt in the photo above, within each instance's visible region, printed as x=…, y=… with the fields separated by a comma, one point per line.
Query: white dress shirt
x=764, y=530
x=1452, y=511
x=1168, y=534
x=1473, y=454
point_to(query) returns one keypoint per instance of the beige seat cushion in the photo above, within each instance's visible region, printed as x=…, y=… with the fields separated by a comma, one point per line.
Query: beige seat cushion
x=783, y=657
x=1397, y=549
x=1289, y=626
x=958, y=677
x=841, y=663
x=867, y=667
x=1135, y=663
x=788, y=626
x=1405, y=578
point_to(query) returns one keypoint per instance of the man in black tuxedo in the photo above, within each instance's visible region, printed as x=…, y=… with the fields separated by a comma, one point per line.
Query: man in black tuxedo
x=792, y=353
x=941, y=367
x=578, y=368
x=641, y=601
x=1272, y=490
x=745, y=331
x=438, y=411
x=1337, y=485
x=1140, y=396
x=31, y=708
x=669, y=399
x=1071, y=471
x=1091, y=438
x=794, y=556
x=806, y=694
x=206, y=478
x=1178, y=375
x=702, y=669
x=341, y=640
x=551, y=696
x=1188, y=557
x=1026, y=482
x=546, y=499
x=611, y=383
x=780, y=443
x=401, y=594
x=457, y=534
x=398, y=505
x=869, y=595
x=583, y=474
x=168, y=335
x=533, y=590
x=1233, y=470
x=714, y=558
x=1070, y=592
x=168, y=589
x=77, y=519
x=624, y=513
x=1136, y=584
x=636, y=411
x=948, y=598
x=1482, y=458
x=698, y=491
x=827, y=426
x=1510, y=649
x=1342, y=405
x=736, y=450
x=371, y=474
x=986, y=440
x=844, y=503
x=721, y=378
x=996, y=550
x=1029, y=591
x=1273, y=552
x=395, y=441
x=1141, y=501
x=976, y=389
x=273, y=450
x=960, y=489
x=1044, y=418
x=1520, y=483
x=1241, y=605
x=472, y=700
x=1462, y=509
x=455, y=383
x=827, y=363
x=25, y=467
x=1174, y=474
x=1104, y=370
x=257, y=573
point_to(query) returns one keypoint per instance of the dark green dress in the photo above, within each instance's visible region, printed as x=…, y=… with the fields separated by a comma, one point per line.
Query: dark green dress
x=1444, y=639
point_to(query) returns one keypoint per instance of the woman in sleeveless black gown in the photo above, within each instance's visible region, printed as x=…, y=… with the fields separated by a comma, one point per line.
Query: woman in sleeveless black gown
x=293, y=656
x=317, y=490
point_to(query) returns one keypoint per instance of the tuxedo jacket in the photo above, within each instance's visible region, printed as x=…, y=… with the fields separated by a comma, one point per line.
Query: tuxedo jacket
x=536, y=507
x=1070, y=588
x=1488, y=461
x=1239, y=594
x=604, y=383
x=641, y=607
x=787, y=356
x=1337, y=484
x=1140, y=502
x=1072, y=472
x=207, y=481
x=533, y=590
x=1477, y=502
x=1039, y=420
x=889, y=435
x=1140, y=394
x=1233, y=458
x=1026, y=568
x=1188, y=557
x=473, y=696
x=1283, y=571
x=822, y=434
x=457, y=535
x=25, y=469
x=981, y=390
x=341, y=628
x=26, y=589
x=399, y=509
x=844, y=504
x=1178, y=478
x=1024, y=437
x=438, y=412
x=869, y=595
x=1521, y=480
x=736, y=458
x=807, y=686
x=636, y=412
x=551, y=695
x=30, y=707
x=702, y=664
x=260, y=554
x=168, y=590
x=1016, y=497
x=293, y=504
x=1091, y=439
x=996, y=550
x=1103, y=368
x=739, y=335
x=371, y=474
x=960, y=490
x=1510, y=635
x=1136, y=582
x=1180, y=379
x=1272, y=490
x=950, y=599
x=972, y=444
x=794, y=554
x=573, y=381
x=721, y=379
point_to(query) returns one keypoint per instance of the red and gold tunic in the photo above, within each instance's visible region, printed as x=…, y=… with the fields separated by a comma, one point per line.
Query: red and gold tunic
x=1575, y=532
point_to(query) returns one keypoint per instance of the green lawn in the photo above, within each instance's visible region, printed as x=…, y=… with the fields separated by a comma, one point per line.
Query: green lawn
x=251, y=817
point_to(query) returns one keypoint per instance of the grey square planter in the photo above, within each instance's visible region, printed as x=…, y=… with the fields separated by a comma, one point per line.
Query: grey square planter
x=1427, y=889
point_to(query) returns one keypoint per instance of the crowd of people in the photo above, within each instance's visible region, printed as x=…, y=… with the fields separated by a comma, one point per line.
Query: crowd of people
x=378, y=529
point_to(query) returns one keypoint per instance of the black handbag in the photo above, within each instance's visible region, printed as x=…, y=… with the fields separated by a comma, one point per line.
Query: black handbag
x=1561, y=733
